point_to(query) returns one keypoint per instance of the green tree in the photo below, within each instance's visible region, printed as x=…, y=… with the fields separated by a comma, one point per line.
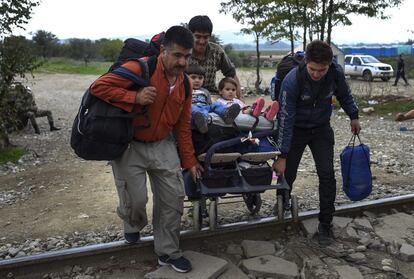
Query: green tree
x=284, y=18
x=216, y=39
x=45, y=43
x=14, y=14
x=17, y=58
x=81, y=48
x=337, y=12
x=233, y=55
x=15, y=54
x=250, y=13
x=322, y=16
x=109, y=49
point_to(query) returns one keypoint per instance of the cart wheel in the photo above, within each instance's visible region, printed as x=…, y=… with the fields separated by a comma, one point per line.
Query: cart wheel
x=197, y=219
x=294, y=208
x=253, y=202
x=280, y=208
x=212, y=214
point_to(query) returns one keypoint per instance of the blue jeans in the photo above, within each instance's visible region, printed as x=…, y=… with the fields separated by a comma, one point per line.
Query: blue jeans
x=215, y=107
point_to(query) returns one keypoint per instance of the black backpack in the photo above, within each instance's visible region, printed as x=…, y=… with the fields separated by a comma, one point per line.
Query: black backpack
x=283, y=68
x=135, y=49
x=102, y=131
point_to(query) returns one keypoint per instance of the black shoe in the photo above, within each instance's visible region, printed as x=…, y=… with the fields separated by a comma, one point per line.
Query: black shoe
x=180, y=264
x=231, y=113
x=53, y=128
x=325, y=234
x=132, y=238
x=394, y=84
x=200, y=122
x=36, y=129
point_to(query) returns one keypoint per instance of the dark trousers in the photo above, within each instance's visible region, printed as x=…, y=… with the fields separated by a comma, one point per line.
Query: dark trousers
x=402, y=75
x=321, y=142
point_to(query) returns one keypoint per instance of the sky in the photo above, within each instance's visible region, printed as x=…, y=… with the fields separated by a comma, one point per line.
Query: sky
x=95, y=19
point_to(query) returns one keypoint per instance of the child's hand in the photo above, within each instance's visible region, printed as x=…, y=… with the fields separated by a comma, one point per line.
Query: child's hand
x=214, y=98
x=247, y=110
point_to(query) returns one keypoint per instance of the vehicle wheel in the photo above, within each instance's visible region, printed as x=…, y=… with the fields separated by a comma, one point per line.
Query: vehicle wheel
x=385, y=78
x=367, y=75
x=294, y=208
x=197, y=219
x=212, y=214
x=253, y=202
x=280, y=208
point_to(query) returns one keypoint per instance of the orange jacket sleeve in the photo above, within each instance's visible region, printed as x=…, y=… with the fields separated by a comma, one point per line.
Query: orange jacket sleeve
x=114, y=89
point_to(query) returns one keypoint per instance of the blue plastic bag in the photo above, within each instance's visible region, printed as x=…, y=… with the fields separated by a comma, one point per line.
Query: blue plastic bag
x=356, y=170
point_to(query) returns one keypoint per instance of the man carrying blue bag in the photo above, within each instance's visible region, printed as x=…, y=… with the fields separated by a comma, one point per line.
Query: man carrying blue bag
x=304, y=120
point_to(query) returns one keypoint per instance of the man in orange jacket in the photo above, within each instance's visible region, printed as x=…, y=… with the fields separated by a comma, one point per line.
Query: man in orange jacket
x=154, y=149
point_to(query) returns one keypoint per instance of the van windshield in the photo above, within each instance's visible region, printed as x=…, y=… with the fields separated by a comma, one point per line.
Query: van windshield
x=369, y=59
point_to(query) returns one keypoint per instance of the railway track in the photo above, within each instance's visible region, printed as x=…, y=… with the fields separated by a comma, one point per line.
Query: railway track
x=118, y=254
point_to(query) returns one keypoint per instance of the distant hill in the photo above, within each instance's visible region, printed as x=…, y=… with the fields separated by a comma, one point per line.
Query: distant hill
x=264, y=46
x=241, y=41
x=375, y=44
x=238, y=40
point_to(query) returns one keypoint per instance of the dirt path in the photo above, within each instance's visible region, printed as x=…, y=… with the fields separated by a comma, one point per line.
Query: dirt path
x=62, y=194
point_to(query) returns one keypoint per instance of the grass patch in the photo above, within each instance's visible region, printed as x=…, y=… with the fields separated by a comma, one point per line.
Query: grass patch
x=386, y=104
x=69, y=66
x=394, y=107
x=11, y=154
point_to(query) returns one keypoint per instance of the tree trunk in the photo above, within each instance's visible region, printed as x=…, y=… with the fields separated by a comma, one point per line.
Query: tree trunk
x=305, y=27
x=323, y=20
x=310, y=33
x=4, y=139
x=292, y=39
x=258, y=81
x=330, y=14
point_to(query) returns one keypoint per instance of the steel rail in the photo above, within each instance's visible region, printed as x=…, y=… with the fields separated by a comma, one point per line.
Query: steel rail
x=32, y=262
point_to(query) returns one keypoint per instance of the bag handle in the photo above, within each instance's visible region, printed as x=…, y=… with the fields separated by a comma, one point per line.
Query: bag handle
x=353, y=137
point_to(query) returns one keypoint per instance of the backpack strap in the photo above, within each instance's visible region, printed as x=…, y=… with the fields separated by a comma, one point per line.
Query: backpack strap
x=138, y=80
x=186, y=86
x=152, y=64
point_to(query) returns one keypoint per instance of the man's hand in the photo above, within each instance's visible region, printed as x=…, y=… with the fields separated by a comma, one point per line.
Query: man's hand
x=196, y=171
x=355, y=126
x=239, y=94
x=400, y=117
x=279, y=166
x=238, y=89
x=146, y=96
